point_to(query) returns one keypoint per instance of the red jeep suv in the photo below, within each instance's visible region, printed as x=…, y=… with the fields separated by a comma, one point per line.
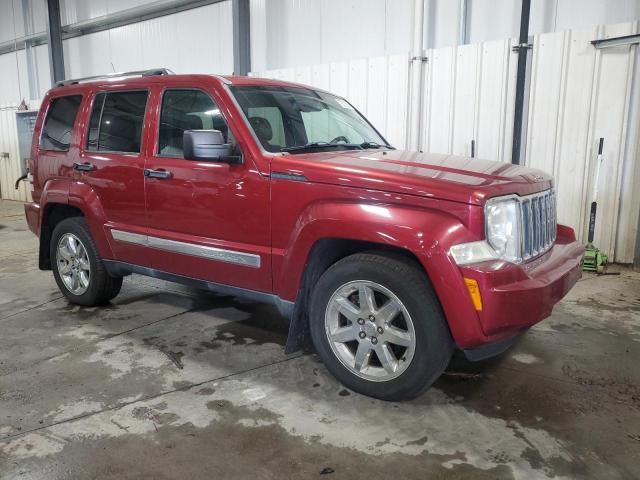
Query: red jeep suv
x=386, y=260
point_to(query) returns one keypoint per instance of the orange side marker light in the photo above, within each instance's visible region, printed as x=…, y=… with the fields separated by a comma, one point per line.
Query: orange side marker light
x=474, y=293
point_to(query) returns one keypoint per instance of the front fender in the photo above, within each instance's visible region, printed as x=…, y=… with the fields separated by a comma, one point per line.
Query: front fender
x=425, y=232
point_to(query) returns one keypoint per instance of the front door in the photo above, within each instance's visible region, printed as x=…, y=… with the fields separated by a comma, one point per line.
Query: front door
x=207, y=220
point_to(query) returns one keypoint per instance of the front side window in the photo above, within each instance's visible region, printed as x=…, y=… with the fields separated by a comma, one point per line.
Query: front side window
x=58, y=126
x=295, y=119
x=116, y=122
x=187, y=110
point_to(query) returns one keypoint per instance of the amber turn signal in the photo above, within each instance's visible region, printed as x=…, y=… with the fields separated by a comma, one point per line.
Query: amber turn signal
x=474, y=293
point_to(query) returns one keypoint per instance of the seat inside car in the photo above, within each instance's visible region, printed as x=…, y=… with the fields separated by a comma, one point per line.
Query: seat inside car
x=263, y=130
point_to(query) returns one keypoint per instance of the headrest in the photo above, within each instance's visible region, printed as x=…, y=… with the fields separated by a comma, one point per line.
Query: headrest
x=262, y=127
x=192, y=122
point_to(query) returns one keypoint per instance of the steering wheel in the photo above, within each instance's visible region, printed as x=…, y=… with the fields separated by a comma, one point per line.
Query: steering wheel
x=340, y=138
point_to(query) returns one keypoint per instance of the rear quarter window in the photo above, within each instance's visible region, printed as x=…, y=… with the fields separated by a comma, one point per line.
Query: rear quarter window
x=58, y=125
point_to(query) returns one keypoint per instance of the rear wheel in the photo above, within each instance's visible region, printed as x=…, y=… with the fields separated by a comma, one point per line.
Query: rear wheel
x=378, y=327
x=77, y=267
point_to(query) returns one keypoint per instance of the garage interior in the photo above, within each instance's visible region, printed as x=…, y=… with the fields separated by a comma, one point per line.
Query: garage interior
x=167, y=381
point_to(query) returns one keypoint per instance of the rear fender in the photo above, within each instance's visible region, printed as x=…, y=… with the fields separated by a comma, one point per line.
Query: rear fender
x=55, y=190
x=84, y=197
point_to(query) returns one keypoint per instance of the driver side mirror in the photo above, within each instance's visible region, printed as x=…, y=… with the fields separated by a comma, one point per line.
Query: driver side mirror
x=208, y=146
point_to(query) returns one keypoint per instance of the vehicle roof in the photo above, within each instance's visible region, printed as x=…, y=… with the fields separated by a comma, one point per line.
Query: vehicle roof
x=140, y=81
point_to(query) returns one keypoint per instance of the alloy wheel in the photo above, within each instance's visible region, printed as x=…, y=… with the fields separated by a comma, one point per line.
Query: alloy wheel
x=73, y=264
x=370, y=330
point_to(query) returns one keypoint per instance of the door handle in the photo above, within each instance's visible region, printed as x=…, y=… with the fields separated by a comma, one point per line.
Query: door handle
x=84, y=167
x=162, y=174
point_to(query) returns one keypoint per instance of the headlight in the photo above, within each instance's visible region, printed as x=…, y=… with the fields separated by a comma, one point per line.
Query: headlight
x=503, y=227
x=503, y=235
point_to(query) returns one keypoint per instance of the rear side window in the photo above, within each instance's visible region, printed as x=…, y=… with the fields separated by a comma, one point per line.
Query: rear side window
x=116, y=122
x=58, y=126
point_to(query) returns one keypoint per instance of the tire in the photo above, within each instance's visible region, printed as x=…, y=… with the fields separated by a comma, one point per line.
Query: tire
x=415, y=364
x=94, y=284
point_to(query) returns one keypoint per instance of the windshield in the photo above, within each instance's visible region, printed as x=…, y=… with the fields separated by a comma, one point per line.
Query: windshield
x=291, y=119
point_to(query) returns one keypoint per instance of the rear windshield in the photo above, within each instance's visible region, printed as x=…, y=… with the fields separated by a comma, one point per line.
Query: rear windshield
x=58, y=126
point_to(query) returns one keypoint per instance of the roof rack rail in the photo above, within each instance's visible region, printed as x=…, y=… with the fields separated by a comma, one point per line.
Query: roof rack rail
x=136, y=73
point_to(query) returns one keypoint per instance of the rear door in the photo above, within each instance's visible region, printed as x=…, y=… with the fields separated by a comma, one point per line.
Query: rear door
x=112, y=165
x=207, y=220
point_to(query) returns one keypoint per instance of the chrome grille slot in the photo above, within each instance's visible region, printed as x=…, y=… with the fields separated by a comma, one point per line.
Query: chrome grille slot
x=538, y=213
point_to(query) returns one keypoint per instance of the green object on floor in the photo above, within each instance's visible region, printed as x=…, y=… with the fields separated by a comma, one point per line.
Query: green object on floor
x=594, y=259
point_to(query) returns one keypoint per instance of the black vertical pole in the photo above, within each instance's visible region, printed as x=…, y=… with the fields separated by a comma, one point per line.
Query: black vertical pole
x=54, y=37
x=522, y=49
x=241, y=37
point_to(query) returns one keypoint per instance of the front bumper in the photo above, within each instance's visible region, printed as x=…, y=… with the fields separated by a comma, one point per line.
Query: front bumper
x=515, y=297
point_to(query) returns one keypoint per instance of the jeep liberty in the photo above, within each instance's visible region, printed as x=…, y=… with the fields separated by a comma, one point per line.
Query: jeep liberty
x=386, y=260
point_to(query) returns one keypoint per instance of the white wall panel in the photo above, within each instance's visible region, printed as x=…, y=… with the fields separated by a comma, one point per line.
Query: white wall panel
x=465, y=99
x=73, y=11
x=15, y=75
x=496, y=98
x=493, y=19
x=193, y=41
x=546, y=89
x=629, y=225
x=578, y=95
x=21, y=17
x=289, y=33
x=579, y=14
x=126, y=47
x=469, y=96
x=88, y=55
x=441, y=23
x=358, y=78
x=7, y=23
x=573, y=152
x=438, y=118
x=610, y=116
x=10, y=79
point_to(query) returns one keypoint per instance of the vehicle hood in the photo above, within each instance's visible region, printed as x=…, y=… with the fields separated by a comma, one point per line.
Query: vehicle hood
x=448, y=177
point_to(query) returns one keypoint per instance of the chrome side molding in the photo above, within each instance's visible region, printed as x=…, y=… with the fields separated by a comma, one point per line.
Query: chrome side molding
x=185, y=248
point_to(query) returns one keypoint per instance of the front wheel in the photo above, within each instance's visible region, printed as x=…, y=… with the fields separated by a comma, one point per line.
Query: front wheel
x=77, y=266
x=378, y=327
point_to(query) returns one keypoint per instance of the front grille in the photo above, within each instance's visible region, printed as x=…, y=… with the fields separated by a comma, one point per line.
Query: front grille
x=538, y=223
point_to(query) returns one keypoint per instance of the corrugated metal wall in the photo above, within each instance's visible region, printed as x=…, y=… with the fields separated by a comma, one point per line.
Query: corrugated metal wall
x=10, y=168
x=469, y=95
x=577, y=95
x=194, y=41
x=340, y=30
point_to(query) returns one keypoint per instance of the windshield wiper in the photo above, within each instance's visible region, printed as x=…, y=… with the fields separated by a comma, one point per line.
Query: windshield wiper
x=374, y=145
x=313, y=145
x=350, y=146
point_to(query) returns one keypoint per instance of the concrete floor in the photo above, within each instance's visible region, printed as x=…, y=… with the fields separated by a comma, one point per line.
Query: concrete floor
x=171, y=382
